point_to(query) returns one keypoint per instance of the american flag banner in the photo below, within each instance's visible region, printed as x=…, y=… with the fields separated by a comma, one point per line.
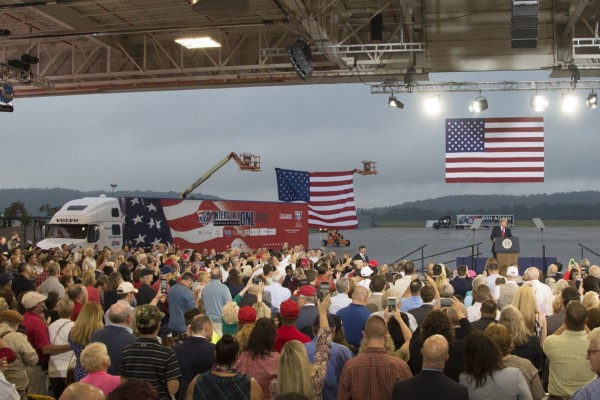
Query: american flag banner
x=330, y=196
x=495, y=150
x=145, y=222
x=199, y=224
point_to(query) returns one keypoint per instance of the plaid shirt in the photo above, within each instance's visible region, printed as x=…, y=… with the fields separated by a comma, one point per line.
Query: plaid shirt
x=41, y=278
x=372, y=375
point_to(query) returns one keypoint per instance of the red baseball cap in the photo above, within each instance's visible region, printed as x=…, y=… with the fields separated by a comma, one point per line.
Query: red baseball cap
x=289, y=309
x=307, y=290
x=246, y=315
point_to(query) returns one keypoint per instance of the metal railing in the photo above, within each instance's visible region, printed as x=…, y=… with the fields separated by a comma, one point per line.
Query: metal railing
x=588, y=249
x=474, y=253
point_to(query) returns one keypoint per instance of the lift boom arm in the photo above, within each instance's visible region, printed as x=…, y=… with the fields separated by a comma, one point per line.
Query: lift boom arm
x=246, y=162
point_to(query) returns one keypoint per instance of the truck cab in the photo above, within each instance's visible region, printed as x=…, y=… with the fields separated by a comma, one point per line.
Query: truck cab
x=86, y=222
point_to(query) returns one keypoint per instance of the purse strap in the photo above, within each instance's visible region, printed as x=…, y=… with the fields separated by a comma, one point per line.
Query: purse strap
x=59, y=329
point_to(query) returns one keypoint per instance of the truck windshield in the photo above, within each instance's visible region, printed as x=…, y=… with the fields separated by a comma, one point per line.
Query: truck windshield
x=67, y=231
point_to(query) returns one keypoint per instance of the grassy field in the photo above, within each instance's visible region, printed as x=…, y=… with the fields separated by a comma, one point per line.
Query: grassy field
x=519, y=224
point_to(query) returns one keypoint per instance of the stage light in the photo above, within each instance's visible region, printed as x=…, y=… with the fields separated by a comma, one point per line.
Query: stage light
x=592, y=101
x=569, y=103
x=301, y=58
x=395, y=103
x=480, y=104
x=198, y=42
x=538, y=102
x=433, y=106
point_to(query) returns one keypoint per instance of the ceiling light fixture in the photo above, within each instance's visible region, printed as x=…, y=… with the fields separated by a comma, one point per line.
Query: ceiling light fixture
x=592, y=101
x=538, y=102
x=433, y=106
x=395, y=103
x=198, y=42
x=569, y=103
x=480, y=104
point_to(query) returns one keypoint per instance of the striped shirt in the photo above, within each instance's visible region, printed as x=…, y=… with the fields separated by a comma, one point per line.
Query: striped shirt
x=152, y=362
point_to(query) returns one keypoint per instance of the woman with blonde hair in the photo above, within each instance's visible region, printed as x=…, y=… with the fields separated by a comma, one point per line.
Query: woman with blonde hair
x=526, y=302
x=59, y=334
x=557, y=303
x=229, y=318
x=294, y=371
x=89, y=319
x=526, y=344
x=88, y=262
x=198, y=286
x=590, y=300
x=88, y=279
x=502, y=337
x=95, y=360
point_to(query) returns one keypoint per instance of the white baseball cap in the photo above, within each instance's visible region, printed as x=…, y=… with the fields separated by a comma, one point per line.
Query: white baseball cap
x=365, y=272
x=512, y=271
x=126, y=287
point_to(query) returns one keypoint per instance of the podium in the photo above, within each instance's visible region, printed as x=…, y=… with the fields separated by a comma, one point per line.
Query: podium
x=507, y=250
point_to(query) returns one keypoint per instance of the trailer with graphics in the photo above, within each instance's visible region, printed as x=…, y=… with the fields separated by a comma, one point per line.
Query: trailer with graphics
x=465, y=221
x=188, y=224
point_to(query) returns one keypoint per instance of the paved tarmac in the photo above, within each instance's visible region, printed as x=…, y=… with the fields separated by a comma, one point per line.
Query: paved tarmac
x=387, y=245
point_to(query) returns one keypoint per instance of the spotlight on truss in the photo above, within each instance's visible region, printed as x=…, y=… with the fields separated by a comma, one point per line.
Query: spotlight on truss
x=592, y=101
x=480, y=104
x=395, y=103
x=538, y=102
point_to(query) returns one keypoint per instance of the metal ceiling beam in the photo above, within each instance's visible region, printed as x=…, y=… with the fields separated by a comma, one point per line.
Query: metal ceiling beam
x=577, y=6
x=315, y=31
x=504, y=86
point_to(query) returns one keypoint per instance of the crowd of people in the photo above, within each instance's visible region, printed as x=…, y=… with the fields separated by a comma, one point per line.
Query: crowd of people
x=292, y=323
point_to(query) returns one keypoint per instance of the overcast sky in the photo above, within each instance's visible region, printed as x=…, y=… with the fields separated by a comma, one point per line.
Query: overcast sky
x=165, y=140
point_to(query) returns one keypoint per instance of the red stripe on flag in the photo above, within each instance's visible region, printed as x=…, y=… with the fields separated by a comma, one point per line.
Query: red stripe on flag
x=495, y=180
x=495, y=169
x=517, y=129
x=494, y=159
x=514, y=119
x=511, y=140
x=514, y=149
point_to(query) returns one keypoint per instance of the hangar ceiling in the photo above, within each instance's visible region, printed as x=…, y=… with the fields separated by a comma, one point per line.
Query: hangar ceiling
x=90, y=46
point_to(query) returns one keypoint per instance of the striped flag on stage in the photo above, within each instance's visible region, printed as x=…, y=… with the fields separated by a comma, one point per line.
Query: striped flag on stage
x=330, y=196
x=495, y=150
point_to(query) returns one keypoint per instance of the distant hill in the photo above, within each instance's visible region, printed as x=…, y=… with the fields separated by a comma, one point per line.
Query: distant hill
x=559, y=206
x=33, y=199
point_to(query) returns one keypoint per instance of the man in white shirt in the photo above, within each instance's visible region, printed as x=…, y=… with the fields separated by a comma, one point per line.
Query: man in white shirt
x=543, y=293
x=490, y=281
x=482, y=293
x=341, y=299
x=403, y=283
x=504, y=294
x=278, y=293
x=365, y=273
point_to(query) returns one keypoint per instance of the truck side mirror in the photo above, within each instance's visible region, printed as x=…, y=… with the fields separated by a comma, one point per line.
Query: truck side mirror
x=93, y=234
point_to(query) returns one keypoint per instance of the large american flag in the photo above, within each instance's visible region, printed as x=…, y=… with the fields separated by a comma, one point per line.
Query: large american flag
x=495, y=150
x=330, y=196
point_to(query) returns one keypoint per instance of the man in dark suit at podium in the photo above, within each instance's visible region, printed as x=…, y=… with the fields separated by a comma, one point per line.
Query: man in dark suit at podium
x=500, y=232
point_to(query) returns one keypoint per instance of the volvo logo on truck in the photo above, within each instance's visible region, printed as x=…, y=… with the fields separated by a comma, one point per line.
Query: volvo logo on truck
x=67, y=220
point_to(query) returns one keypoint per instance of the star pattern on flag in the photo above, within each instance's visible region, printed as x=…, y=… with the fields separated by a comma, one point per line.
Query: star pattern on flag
x=140, y=239
x=464, y=135
x=293, y=185
x=146, y=223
